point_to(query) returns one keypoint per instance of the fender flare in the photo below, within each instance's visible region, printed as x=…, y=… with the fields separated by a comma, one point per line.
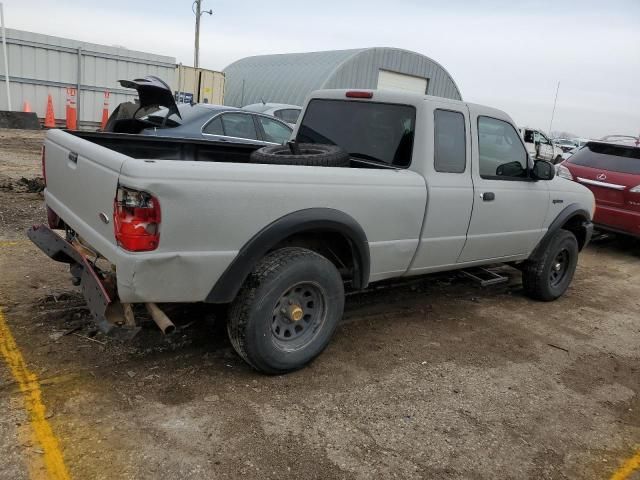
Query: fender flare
x=311, y=219
x=568, y=213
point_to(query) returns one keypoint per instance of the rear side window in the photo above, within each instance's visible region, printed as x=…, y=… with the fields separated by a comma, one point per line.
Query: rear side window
x=379, y=132
x=214, y=127
x=289, y=115
x=450, y=149
x=615, y=158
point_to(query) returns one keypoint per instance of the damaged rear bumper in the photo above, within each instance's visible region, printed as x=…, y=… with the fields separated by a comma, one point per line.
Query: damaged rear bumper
x=101, y=298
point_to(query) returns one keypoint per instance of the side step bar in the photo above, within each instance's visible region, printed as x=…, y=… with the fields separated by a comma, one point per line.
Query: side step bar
x=484, y=277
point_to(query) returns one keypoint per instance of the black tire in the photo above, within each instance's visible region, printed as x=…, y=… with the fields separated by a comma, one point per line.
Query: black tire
x=311, y=154
x=257, y=321
x=548, y=277
x=557, y=160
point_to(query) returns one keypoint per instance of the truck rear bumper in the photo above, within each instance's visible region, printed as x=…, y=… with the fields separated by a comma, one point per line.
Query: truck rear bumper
x=158, y=276
x=95, y=292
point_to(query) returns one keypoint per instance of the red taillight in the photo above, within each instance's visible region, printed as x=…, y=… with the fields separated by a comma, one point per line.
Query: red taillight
x=136, y=220
x=359, y=94
x=44, y=168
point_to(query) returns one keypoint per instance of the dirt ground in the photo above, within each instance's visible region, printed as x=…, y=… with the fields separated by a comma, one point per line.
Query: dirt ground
x=434, y=379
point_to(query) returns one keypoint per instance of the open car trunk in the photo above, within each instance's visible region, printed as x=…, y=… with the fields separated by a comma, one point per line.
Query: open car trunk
x=153, y=94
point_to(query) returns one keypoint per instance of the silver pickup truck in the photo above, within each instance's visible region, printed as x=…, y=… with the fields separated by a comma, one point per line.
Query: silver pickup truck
x=374, y=185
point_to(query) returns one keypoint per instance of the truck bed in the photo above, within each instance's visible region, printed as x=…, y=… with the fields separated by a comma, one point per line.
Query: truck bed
x=188, y=149
x=164, y=148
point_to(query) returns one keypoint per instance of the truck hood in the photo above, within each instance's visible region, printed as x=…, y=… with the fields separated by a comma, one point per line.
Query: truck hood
x=153, y=92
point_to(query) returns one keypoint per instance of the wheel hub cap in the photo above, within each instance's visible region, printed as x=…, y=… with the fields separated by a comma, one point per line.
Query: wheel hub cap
x=559, y=267
x=295, y=313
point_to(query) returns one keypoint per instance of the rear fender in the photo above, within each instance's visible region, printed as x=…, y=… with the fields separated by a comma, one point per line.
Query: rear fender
x=308, y=220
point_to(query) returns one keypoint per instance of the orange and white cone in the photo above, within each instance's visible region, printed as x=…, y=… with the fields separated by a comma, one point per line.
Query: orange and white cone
x=49, y=118
x=72, y=115
x=105, y=110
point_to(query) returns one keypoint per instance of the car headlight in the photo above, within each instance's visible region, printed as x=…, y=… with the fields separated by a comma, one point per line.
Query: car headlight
x=635, y=189
x=563, y=172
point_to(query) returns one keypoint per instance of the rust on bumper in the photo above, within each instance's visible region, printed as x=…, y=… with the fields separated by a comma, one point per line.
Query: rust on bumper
x=102, y=302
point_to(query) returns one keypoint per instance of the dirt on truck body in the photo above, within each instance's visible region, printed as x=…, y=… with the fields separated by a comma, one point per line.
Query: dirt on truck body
x=432, y=379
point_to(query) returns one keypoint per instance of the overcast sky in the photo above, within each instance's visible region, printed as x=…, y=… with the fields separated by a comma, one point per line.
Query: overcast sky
x=507, y=54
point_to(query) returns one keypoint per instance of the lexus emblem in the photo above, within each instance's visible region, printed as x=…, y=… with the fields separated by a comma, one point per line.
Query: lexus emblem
x=602, y=176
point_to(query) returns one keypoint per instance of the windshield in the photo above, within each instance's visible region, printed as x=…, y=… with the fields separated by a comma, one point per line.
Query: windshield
x=603, y=156
x=379, y=132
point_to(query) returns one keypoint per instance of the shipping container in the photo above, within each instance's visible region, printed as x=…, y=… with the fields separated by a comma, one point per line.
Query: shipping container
x=199, y=85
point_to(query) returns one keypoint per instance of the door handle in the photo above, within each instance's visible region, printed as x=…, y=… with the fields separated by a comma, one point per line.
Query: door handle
x=488, y=196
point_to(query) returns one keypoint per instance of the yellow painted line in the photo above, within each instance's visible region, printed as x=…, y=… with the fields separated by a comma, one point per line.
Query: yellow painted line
x=32, y=396
x=12, y=243
x=627, y=468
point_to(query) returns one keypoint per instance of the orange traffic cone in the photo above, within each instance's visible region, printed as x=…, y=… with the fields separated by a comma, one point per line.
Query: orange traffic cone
x=26, y=107
x=72, y=116
x=49, y=119
x=105, y=110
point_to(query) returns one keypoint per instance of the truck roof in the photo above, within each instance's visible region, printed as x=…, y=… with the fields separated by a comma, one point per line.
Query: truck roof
x=408, y=98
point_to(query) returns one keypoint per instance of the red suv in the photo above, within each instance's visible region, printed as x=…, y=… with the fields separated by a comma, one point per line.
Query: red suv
x=612, y=172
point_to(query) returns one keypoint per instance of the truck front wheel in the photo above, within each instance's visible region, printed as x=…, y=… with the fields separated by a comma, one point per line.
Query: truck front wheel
x=548, y=276
x=286, y=311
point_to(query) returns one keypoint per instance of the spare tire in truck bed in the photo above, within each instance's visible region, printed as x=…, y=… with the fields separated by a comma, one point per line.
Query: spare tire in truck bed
x=310, y=154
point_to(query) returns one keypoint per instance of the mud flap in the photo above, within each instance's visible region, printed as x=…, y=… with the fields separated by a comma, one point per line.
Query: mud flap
x=104, y=307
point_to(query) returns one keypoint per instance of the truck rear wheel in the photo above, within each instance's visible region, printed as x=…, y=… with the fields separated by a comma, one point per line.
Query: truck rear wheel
x=286, y=311
x=548, y=276
x=310, y=154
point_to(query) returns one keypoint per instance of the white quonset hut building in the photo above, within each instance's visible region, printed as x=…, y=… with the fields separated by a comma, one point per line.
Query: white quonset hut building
x=289, y=78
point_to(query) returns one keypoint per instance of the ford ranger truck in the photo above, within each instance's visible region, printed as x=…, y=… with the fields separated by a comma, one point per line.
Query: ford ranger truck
x=374, y=185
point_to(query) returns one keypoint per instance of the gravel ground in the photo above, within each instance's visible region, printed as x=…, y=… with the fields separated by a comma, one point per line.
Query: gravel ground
x=431, y=379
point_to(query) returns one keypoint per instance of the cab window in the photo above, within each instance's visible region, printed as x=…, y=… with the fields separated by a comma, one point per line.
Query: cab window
x=374, y=132
x=450, y=149
x=502, y=155
x=528, y=136
x=540, y=138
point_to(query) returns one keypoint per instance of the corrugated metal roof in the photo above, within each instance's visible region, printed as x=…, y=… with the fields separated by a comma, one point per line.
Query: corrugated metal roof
x=40, y=65
x=289, y=78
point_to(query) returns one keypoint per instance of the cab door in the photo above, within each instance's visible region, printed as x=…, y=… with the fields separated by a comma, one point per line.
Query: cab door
x=508, y=207
x=449, y=186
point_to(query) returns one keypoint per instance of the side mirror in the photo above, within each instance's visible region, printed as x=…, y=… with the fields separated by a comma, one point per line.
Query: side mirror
x=543, y=170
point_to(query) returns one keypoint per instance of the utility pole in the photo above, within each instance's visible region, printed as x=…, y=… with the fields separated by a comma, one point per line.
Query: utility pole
x=197, y=10
x=6, y=62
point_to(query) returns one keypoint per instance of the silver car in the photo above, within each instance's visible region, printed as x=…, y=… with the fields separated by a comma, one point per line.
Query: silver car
x=286, y=113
